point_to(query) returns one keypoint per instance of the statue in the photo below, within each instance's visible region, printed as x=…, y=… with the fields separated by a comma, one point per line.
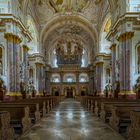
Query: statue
x=0, y=68
x=33, y=92
x=117, y=89
x=2, y=89
x=108, y=90
x=137, y=87
x=23, y=89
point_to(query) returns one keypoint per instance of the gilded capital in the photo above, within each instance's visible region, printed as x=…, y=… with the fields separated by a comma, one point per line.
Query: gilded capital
x=112, y=46
x=12, y=37
x=26, y=48
x=125, y=36
x=129, y=35
x=99, y=63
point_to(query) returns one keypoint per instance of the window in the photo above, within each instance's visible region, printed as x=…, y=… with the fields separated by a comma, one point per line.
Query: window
x=134, y=6
x=69, y=80
x=56, y=80
x=33, y=45
x=83, y=78
x=4, y=6
x=107, y=76
x=104, y=43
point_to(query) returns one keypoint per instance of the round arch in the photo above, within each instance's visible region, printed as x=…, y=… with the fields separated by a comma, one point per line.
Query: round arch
x=33, y=45
x=60, y=20
x=104, y=44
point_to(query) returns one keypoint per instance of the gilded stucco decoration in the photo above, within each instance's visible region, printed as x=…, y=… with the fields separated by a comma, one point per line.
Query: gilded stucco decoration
x=68, y=5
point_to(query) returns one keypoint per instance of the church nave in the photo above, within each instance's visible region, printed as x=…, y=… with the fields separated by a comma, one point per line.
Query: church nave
x=70, y=121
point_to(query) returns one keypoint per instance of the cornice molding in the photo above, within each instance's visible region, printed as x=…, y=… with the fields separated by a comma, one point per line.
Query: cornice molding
x=133, y=17
x=13, y=19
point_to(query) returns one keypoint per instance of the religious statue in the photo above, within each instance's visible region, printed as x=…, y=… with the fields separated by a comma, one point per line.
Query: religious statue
x=33, y=92
x=117, y=89
x=0, y=68
x=137, y=87
x=23, y=89
x=2, y=89
x=108, y=90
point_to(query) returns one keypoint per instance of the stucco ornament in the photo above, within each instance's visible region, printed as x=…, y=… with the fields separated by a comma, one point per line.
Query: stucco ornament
x=68, y=5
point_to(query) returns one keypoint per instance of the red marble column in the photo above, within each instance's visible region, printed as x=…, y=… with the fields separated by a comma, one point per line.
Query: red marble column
x=25, y=61
x=113, y=61
x=39, y=78
x=125, y=46
x=13, y=53
x=99, y=75
x=77, y=83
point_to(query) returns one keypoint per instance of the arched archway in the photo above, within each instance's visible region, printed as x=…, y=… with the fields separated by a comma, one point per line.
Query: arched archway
x=71, y=27
x=83, y=77
x=69, y=78
x=55, y=78
x=34, y=44
x=104, y=46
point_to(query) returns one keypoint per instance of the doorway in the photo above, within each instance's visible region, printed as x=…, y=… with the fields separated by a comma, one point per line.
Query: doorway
x=69, y=92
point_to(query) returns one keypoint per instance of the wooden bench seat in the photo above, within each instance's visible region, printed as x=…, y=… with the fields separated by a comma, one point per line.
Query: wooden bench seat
x=120, y=118
x=19, y=115
x=6, y=131
x=99, y=104
x=133, y=131
x=34, y=109
x=106, y=110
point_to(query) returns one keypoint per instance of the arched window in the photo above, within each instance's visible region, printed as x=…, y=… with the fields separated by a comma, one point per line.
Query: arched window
x=33, y=45
x=5, y=6
x=104, y=43
x=31, y=75
x=55, y=78
x=107, y=75
x=69, y=78
x=84, y=59
x=138, y=59
x=134, y=5
x=83, y=78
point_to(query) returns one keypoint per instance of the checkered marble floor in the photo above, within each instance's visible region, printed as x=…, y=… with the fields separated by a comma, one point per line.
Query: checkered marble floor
x=70, y=121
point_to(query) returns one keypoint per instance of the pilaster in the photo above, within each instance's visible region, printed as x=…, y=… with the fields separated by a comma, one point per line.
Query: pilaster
x=99, y=74
x=125, y=49
x=13, y=54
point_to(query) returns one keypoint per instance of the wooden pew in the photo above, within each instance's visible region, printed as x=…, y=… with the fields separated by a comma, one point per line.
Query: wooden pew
x=20, y=119
x=106, y=110
x=6, y=131
x=134, y=128
x=34, y=108
x=99, y=103
x=120, y=117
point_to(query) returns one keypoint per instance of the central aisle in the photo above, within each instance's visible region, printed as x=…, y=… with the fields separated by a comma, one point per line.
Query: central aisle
x=70, y=121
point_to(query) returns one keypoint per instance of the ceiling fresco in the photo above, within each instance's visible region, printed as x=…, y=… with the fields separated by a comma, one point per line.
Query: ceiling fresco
x=47, y=9
x=68, y=5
